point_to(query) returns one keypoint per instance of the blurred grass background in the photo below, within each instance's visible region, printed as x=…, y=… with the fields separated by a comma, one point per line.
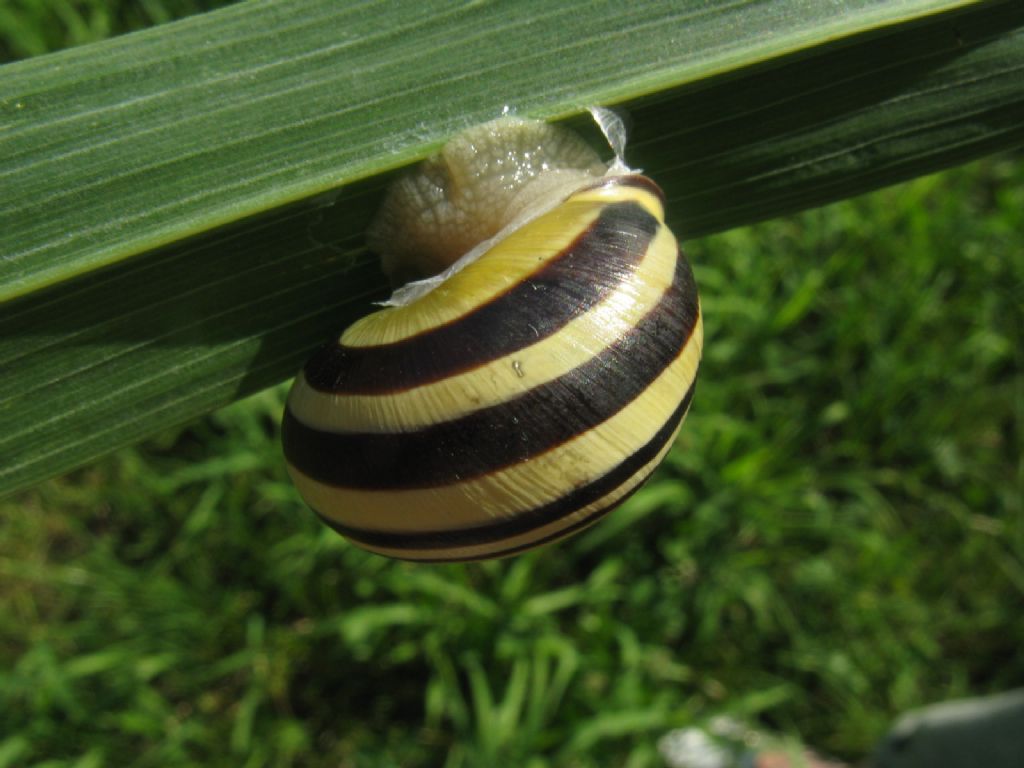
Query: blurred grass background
x=838, y=535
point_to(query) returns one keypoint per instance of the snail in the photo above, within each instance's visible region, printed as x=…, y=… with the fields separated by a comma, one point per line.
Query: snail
x=527, y=389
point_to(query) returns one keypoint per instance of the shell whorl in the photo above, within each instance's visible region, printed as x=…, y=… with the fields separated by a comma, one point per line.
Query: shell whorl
x=519, y=400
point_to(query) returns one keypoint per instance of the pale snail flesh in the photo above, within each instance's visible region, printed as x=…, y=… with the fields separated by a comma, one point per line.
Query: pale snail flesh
x=527, y=391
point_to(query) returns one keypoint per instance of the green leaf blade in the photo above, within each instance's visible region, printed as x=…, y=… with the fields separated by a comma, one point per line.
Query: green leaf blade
x=163, y=334
x=120, y=147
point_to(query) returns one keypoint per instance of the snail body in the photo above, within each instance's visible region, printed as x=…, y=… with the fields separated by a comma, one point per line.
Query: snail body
x=528, y=390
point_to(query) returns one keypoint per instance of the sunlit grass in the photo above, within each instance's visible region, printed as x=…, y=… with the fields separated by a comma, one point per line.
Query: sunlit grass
x=837, y=536
x=34, y=27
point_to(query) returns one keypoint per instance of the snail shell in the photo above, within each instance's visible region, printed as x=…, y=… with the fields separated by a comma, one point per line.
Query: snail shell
x=530, y=388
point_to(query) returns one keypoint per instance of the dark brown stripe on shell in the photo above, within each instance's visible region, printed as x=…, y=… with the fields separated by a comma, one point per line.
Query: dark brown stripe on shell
x=597, y=262
x=533, y=519
x=484, y=441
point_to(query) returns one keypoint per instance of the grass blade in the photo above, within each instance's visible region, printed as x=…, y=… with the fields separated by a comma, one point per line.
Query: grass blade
x=736, y=127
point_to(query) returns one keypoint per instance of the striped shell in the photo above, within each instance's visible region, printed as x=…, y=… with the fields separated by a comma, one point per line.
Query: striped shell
x=516, y=402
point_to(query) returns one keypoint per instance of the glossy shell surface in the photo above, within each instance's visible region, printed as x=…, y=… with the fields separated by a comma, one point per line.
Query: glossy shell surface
x=516, y=402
